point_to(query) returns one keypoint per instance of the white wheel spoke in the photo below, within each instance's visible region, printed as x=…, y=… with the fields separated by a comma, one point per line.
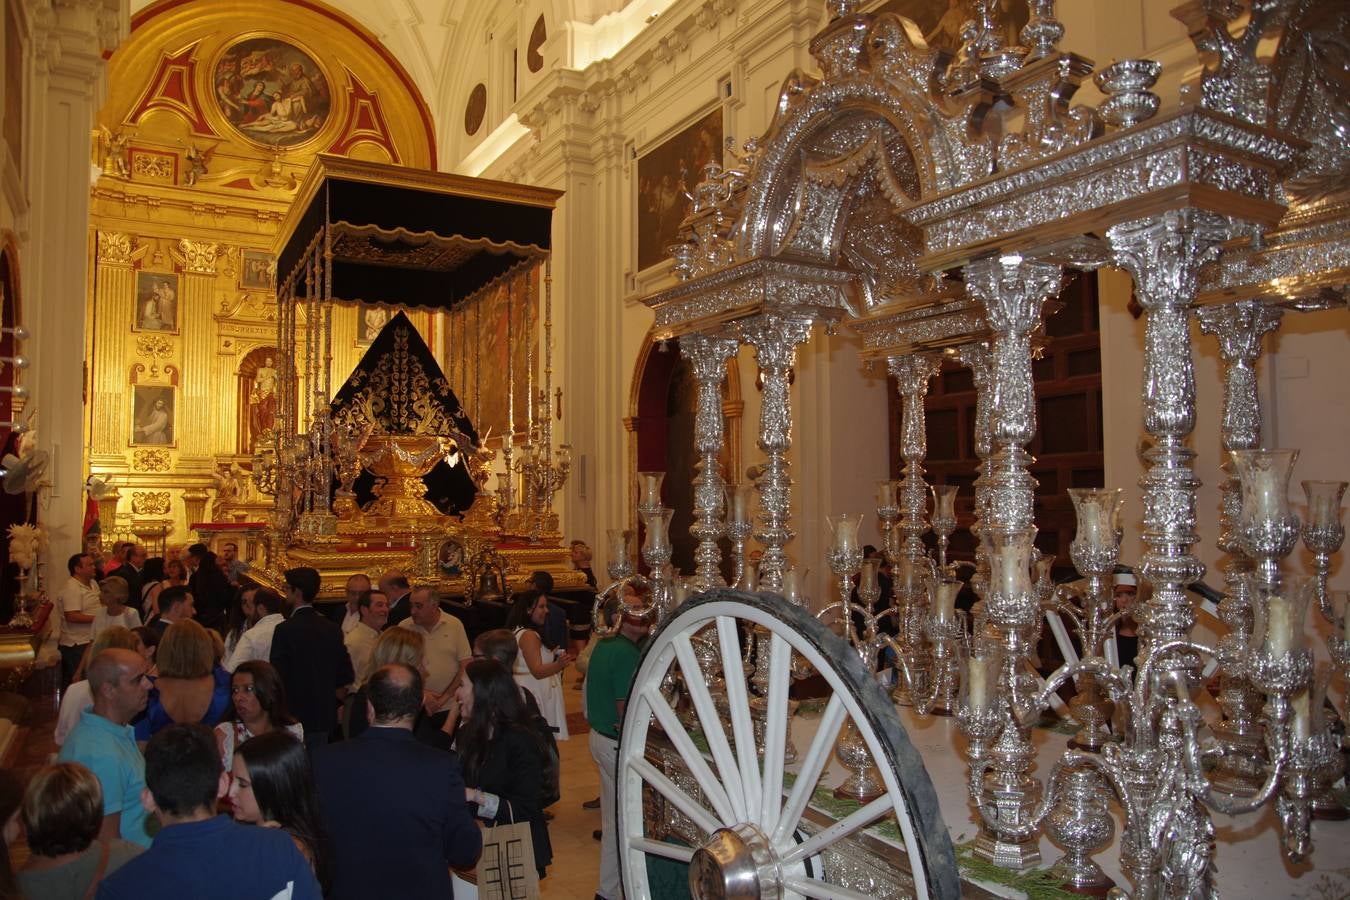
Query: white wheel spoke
x=839, y=830
x=712, y=725
x=672, y=792
x=811, y=887
x=691, y=755
x=739, y=711
x=813, y=764
x=776, y=729
x=662, y=849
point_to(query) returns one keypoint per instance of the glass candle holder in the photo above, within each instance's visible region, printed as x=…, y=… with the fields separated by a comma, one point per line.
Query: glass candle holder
x=885, y=494
x=679, y=592
x=1324, y=502
x=658, y=529
x=944, y=502
x=1265, y=483
x=984, y=664
x=792, y=587
x=942, y=598
x=1010, y=564
x=739, y=501
x=867, y=579
x=1278, y=618
x=650, y=484
x=844, y=527
x=618, y=539
x=1098, y=514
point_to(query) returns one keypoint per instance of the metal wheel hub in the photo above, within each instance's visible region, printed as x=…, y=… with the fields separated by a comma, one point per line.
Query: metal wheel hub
x=736, y=863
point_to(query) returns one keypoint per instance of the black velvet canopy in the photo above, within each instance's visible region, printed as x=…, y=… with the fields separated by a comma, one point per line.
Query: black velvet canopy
x=409, y=237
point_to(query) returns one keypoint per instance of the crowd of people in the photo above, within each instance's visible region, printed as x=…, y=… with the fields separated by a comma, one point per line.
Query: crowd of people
x=217, y=739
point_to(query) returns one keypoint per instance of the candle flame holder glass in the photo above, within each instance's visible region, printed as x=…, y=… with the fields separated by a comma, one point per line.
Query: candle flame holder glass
x=1266, y=529
x=1323, y=532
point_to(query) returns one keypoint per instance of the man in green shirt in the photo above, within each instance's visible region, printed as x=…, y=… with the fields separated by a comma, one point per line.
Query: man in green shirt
x=608, y=678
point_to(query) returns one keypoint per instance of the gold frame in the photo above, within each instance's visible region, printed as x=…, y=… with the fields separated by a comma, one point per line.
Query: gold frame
x=212, y=108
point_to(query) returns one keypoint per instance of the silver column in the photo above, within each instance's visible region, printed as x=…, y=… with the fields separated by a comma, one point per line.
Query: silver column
x=708, y=355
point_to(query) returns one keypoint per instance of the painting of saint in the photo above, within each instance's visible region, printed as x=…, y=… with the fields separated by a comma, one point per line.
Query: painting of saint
x=273, y=92
x=156, y=302
x=941, y=21
x=258, y=271
x=152, y=422
x=665, y=176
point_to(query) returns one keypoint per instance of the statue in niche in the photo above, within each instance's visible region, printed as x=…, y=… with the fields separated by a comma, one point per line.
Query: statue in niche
x=262, y=410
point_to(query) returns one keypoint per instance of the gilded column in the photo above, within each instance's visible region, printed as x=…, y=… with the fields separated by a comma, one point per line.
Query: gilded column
x=775, y=338
x=114, y=300
x=708, y=356
x=1164, y=255
x=196, y=414
x=1239, y=328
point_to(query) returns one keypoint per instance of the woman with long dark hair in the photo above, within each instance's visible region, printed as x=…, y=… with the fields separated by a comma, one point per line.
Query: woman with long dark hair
x=257, y=707
x=500, y=754
x=539, y=669
x=271, y=785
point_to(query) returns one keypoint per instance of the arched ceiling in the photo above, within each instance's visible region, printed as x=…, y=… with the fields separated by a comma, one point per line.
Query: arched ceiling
x=426, y=37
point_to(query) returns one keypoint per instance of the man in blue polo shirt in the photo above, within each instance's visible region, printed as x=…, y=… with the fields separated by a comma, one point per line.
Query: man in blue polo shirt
x=105, y=743
x=197, y=853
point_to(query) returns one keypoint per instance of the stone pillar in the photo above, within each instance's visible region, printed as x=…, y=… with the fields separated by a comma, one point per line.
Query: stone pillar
x=196, y=408
x=68, y=41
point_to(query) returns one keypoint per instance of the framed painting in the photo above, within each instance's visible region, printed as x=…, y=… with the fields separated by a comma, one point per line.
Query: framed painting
x=370, y=320
x=156, y=302
x=258, y=271
x=665, y=175
x=941, y=20
x=271, y=91
x=152, y=415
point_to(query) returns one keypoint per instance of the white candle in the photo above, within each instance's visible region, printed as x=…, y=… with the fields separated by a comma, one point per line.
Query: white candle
x=680, y=592
x=944, y=600
x=1279, y=627
x=977, y=683
x=845, y=528
x=750, y=580
x=791, y=587
x=1011, y=560
x=1302, y=724
x=885, y=494
x=651, y=488
x=738, y=503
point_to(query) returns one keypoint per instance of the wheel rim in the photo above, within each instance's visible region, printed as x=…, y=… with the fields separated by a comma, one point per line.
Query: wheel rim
x=752, y=844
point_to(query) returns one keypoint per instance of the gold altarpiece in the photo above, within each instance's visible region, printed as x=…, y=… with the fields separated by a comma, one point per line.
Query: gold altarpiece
x=189, y=194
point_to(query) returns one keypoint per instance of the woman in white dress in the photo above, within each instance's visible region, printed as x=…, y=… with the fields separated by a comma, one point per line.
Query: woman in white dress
x=539, y=669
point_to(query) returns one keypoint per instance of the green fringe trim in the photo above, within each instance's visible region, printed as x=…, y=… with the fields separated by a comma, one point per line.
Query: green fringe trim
x=1036, y=884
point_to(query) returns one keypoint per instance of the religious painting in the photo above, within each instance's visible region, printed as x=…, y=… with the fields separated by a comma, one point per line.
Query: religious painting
x=665, y=176
x=370, y=320
x=941, y=21
x=258, y=271
x=450, y=557
x=152, y=415
x=271, y=91
x=156, y=302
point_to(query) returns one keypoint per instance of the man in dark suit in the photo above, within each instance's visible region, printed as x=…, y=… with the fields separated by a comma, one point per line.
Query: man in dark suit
x=131, y=572
x=394, y=585
x=308, y=653
x=395, y=809
x=211, y=590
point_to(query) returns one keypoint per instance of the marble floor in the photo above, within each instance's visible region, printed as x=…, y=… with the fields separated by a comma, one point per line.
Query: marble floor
x=576, y=854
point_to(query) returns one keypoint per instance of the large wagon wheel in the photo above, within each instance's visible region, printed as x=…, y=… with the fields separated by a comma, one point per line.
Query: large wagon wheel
x=754, y=844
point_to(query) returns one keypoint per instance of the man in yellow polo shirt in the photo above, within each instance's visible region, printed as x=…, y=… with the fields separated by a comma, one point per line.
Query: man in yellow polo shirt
x=447, y=649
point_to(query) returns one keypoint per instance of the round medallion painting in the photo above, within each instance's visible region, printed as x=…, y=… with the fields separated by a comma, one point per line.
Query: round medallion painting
x=272, y=91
